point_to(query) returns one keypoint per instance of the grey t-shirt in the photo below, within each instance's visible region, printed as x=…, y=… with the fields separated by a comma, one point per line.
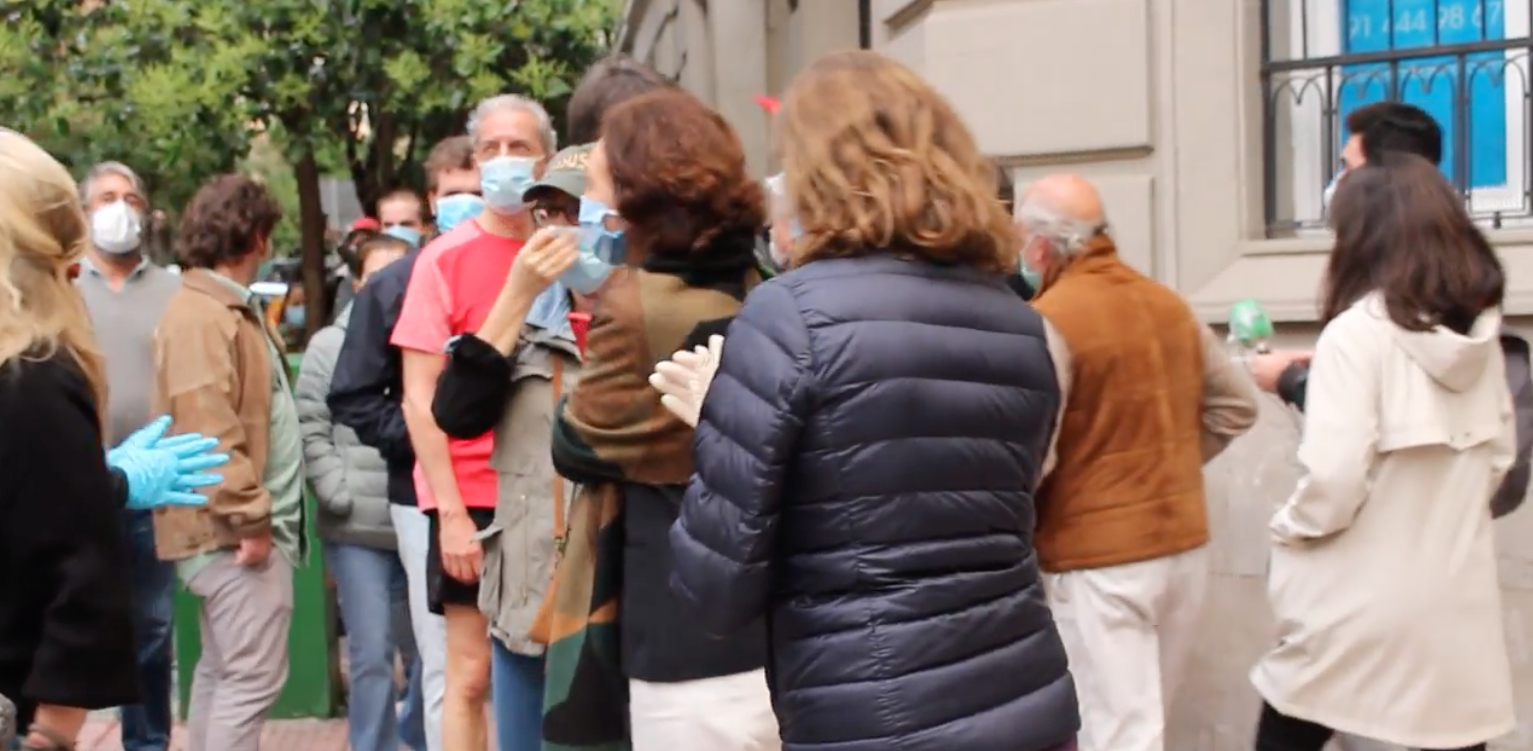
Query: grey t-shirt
x=124, y=321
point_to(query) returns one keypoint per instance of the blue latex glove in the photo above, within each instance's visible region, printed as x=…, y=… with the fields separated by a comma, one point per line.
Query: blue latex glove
x=165, y=471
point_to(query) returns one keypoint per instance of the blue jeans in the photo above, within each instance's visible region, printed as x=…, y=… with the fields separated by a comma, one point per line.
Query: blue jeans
x=146, y=726
x=517, y=688
x=370, y=585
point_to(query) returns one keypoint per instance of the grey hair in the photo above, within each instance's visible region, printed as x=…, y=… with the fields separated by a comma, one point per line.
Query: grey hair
x=110, y=168
x=1067, y=235
x=516, y=102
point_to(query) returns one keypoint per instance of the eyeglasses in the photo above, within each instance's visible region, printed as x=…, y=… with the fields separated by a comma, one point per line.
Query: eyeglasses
x=550, y=214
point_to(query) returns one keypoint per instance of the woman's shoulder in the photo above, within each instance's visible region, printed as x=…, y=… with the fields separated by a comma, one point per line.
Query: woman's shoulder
x=1366, y=315
x=56, y=370
x=43, y=388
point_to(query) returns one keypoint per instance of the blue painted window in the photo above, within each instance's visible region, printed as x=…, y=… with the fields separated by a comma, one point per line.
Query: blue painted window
x=1431, y=83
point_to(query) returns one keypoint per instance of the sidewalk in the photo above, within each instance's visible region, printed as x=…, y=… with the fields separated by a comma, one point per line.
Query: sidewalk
x=281, y=735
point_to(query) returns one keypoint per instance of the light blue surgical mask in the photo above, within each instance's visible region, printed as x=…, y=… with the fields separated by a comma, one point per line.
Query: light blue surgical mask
x=401, y=232
x=504, y=179
x=780, y=255
x=587, y=274
x=607, y=244
x=295, y=315
x=456, y=209
x=1033, y=278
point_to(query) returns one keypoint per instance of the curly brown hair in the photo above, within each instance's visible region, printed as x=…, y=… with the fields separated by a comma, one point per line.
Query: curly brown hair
x=225, y=220
x=875, y=160
x=678, y=175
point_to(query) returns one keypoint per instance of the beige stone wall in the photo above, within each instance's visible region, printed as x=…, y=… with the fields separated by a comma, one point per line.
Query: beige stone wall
x=1158, y=102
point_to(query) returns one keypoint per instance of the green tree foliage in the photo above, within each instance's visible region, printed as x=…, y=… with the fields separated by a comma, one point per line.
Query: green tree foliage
x=97, y=83
x=180, y=89
x=267, y=164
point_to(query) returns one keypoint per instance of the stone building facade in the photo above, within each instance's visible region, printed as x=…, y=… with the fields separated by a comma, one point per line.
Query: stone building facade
x=1212, y=128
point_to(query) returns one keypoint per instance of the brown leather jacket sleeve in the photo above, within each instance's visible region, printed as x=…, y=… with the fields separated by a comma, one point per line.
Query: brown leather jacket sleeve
x=198, y=386
x=1229, y=397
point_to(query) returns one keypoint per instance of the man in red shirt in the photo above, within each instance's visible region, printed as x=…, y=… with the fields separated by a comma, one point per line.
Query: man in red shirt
x=456, y=281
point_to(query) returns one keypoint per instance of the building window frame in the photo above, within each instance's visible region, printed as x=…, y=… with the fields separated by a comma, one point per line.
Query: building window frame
x=1312, y=78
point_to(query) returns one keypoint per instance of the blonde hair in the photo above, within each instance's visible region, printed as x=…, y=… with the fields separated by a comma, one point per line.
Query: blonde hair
x=43, y=233
x=875, y=160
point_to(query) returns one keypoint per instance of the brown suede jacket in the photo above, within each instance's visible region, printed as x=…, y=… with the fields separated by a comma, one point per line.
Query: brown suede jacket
x=213, y=376
x=1152, y=395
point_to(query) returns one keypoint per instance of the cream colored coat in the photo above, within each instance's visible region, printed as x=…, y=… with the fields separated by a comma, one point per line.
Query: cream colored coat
x=1383, y=573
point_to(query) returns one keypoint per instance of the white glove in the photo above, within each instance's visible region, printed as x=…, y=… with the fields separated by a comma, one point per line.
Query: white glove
x=684, y=379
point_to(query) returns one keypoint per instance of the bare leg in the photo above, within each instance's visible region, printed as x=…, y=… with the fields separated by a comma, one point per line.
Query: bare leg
x=468, y=680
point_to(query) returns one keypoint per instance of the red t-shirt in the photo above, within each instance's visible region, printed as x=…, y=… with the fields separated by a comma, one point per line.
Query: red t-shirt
x=455, y=282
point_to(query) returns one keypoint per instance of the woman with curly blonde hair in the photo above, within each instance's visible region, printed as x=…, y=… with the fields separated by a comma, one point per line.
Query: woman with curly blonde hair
x=868, y=450
x=66, y=633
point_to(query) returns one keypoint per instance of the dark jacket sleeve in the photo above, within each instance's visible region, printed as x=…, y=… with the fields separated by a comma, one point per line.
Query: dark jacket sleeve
x=1293, y=383
x=472, y=392
x=705, y=330
x=60, y=523
x=119, y=486
x=367, y=372
x=724, y=539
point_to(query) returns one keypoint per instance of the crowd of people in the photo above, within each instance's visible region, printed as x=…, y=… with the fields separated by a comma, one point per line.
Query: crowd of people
x=641, y=451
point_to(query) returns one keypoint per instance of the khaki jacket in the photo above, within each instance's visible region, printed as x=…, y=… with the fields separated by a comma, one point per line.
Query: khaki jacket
x=1383, y=580
x=521, y=546
x=213, y=375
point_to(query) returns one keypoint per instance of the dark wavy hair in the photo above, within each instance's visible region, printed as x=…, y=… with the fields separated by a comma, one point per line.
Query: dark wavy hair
x=678, y=175
x=1402, y=230
x=224, y=220
x=1397, y=126
x=609, y=82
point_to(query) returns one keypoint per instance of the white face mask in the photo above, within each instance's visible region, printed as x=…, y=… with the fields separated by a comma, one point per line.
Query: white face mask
x=1330, y=192
x=116, y=228
x=778, y=200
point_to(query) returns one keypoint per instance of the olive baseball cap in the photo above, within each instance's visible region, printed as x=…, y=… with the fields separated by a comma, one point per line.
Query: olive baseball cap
x=566, y=173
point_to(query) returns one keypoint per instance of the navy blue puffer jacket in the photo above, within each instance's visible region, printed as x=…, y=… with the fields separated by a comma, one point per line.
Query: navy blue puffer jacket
x=866, y=461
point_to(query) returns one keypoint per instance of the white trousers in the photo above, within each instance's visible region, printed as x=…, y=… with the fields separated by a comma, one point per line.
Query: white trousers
x=413, y=531
x=1129, y=632
x=730, y=713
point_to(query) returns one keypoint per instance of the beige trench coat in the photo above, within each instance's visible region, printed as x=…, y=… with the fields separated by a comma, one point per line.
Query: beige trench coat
x=1383, y=573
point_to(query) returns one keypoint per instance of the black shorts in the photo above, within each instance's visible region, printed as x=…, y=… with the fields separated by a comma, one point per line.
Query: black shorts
x=442, y=589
